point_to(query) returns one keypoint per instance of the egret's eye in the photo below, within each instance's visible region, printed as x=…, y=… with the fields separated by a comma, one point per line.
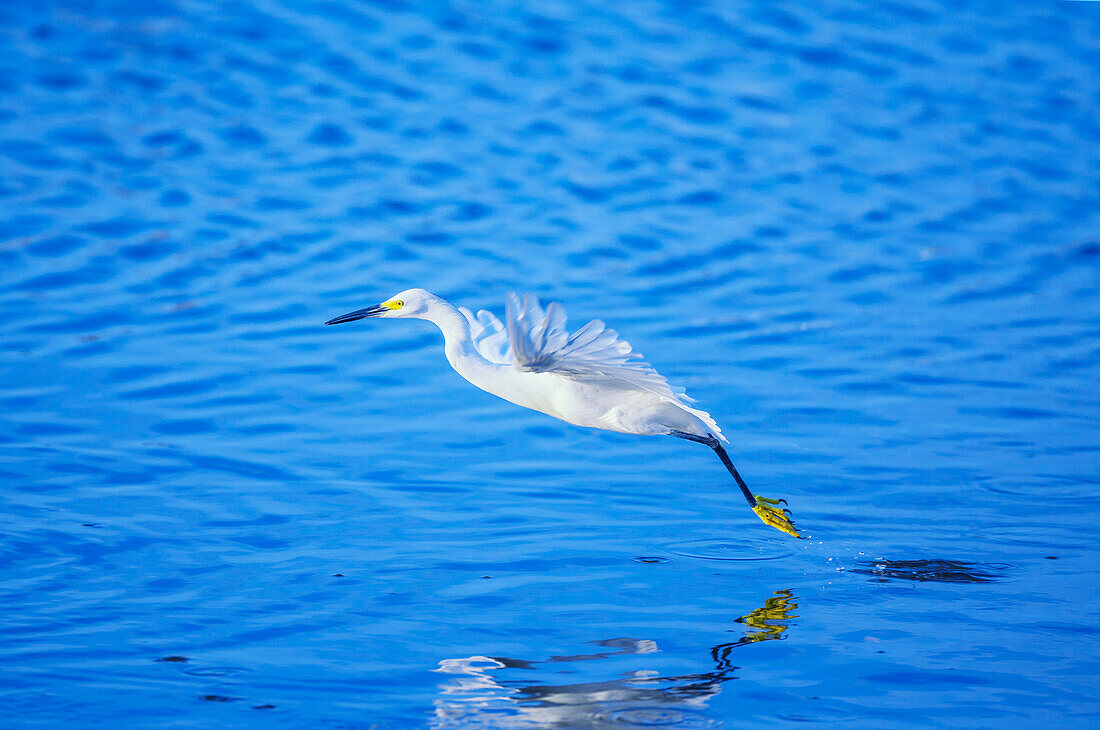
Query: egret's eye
x=398, y=303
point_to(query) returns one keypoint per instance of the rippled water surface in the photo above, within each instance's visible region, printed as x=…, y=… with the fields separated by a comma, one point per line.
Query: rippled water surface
x=866, y=237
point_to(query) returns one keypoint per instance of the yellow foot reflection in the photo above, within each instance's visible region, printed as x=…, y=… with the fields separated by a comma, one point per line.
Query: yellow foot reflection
x=772, y=514
x=770, y=620
x=766, y=623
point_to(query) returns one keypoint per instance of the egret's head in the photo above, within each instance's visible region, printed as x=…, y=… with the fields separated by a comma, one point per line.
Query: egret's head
x=409, y=303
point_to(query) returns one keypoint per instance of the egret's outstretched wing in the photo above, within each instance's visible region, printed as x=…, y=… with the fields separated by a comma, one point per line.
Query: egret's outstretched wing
x=490, y=337
x=540, y=343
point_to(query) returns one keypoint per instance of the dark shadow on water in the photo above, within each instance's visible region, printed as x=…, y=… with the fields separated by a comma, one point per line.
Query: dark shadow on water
x=486, y=689
x=938, y=571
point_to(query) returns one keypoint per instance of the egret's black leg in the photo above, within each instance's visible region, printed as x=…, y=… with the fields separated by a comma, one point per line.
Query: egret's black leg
x=763, y=507
x=718, y=449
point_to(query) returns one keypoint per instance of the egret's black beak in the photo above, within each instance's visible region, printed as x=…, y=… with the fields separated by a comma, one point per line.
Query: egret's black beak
x=372, y=311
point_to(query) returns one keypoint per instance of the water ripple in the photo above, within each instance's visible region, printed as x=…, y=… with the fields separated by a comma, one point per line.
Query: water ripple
x=725, y=549
x=654, y=717
x=864, y=236
x=933, y=570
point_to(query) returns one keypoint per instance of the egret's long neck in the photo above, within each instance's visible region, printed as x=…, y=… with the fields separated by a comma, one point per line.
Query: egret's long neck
x=459, y=348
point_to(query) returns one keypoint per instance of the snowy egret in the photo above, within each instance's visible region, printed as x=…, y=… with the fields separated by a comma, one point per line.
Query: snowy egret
x=588, y=378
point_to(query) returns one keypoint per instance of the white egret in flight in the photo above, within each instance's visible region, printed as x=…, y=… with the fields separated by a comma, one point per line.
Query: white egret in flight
x=588, y=378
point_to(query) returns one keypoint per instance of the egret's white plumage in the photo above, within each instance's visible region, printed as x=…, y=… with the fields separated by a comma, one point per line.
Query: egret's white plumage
x=589, y=378
x=592, y=373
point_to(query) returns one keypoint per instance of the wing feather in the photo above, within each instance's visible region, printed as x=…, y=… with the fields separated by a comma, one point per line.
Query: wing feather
x=489, y=335
x=541, y=343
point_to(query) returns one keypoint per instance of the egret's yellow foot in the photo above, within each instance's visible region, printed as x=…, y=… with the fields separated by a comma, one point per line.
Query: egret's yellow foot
x=772, y=514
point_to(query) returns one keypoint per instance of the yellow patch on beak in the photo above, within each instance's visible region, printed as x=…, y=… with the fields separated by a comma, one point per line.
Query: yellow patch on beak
x=393, y=304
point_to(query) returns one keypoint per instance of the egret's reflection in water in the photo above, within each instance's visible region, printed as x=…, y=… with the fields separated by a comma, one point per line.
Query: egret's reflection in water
x=484, y=691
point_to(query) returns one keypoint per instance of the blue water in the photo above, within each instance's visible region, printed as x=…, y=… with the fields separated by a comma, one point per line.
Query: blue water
x=866, y=237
